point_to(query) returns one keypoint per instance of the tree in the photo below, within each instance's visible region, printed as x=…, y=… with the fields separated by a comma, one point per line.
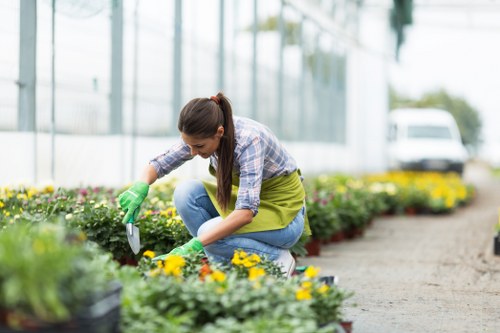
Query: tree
x=466, y=116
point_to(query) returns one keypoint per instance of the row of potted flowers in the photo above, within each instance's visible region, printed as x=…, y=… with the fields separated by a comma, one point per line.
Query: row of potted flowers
x=343, y=206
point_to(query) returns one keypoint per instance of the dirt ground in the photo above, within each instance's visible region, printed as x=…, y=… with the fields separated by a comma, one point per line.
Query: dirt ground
x=424, y=273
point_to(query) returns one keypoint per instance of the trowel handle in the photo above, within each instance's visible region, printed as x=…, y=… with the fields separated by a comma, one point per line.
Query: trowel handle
x=130, y=229
x=131, y=219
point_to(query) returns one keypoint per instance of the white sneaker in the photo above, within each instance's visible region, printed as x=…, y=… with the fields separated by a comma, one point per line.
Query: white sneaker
x=286, y=262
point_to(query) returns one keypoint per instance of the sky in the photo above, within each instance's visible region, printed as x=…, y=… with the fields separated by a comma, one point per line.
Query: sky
x=455, y=46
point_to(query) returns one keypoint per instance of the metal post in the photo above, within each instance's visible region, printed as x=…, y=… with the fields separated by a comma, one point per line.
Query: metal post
x=177, y=79
x=221, y=47
x=53, y=95
x=27, y=74
x=332, y=100
x=281, y=27
x=116, y=118
x=254, y=60
x=302, y=84
x=27, y=67
x=134, y=90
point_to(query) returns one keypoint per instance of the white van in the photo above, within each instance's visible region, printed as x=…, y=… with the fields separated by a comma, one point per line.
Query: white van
x=425, y=139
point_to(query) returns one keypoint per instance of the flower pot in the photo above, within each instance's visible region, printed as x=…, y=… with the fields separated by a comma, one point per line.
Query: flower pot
x=337, y=237
x=347, y=326
x=354, y=232
x=496, y=245
x=128, y=261
x=101, y=315
x=313, y=247
x=410, y=211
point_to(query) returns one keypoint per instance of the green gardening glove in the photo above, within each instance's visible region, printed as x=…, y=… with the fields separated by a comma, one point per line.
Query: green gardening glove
x=131, y=200
x=193, y=246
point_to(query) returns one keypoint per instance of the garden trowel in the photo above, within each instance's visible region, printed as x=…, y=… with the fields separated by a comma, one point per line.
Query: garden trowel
x=133, y=236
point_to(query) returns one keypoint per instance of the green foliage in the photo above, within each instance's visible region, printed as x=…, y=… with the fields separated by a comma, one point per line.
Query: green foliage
x=466, y=116
x=48, y=273
x=323, y=217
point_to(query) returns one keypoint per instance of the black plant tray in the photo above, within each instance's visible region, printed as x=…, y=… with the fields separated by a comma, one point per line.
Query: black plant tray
x=496, y=245
x=102, y=315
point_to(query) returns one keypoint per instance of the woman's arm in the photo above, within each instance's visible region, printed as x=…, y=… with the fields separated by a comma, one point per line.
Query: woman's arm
x=149, y=174
x=234, y=221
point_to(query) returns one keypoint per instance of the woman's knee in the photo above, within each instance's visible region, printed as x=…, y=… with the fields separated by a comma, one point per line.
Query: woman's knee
x=209, y=225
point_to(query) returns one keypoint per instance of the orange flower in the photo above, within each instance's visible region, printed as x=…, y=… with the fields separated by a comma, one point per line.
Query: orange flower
x=204, y=271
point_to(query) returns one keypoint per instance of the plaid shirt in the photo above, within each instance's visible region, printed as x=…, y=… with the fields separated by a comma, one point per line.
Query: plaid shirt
x=258, y=156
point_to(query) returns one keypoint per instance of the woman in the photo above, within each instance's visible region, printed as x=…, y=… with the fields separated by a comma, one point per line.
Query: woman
x=263, y=214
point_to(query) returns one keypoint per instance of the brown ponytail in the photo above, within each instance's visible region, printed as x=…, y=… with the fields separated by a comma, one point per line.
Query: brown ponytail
x=201, y=118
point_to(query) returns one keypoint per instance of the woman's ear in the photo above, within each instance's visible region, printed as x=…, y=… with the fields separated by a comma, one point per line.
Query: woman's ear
x=220, y=131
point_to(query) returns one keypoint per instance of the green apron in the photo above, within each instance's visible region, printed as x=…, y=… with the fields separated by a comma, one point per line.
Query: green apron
x=281, y=199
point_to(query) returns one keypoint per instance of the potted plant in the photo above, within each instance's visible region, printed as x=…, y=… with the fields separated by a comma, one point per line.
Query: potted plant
x=53, y=280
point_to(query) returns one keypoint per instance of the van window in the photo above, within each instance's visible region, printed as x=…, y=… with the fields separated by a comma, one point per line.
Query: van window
x=429, y=132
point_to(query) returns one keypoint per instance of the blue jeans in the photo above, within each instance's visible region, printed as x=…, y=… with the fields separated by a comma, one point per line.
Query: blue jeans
x=199, y=216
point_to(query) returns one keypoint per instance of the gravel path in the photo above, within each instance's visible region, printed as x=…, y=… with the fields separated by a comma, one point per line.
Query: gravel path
x=424, y=273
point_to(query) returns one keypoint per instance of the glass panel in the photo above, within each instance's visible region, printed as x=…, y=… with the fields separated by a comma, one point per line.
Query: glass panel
x=201, y=48
x=9, y=64
x=154, y=49
x=268, y=44
x=239, y=50
x=82, y=70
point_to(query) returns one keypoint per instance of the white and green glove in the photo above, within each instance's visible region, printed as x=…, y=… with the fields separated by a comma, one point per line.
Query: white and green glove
x=131, y=200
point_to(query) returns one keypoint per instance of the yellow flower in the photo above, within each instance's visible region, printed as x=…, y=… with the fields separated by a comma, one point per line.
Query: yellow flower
x=150, y=254
x=450, y=202
x=241, y=258
x=323, y=289
x=2, y=204
x=238, y=257
x=255, y=272
x=22, y=196
x=169, y=212
x=31, y=192
x=173, y=265
x=307, y=284
x=255, y=258
x=248, y=263
x=303, y=294
x=48, y=189
x=341, y=189
x=311, y=272
x=154, y=272
x=217, y=276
